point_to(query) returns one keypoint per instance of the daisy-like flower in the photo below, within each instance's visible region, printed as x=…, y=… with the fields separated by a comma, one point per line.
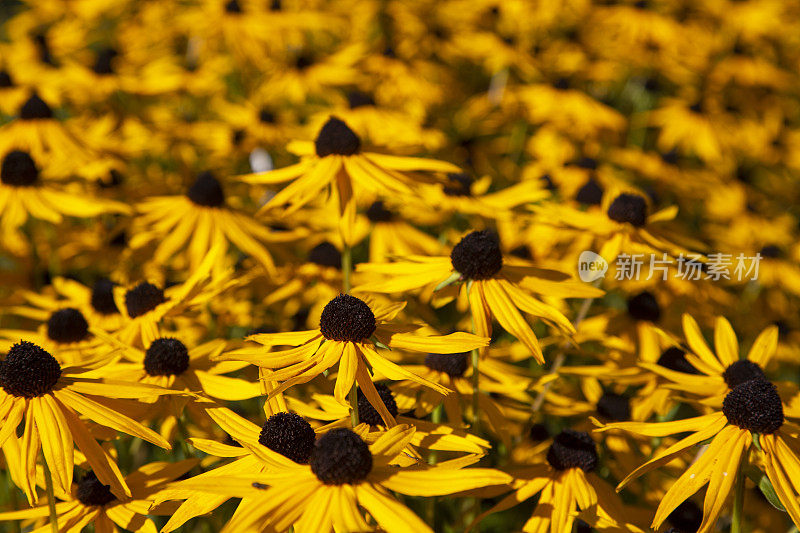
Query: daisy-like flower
x=335, y=159
x=751, y=421
x=496, y=287
x=145, y=305
x=168, y=363
x=349, y=331
x=566, y=482
x=49, y=398
x=90, y=501
x=717, y=373
x=194, y=223
x=344, y=474
x=24, y=194
x=623, y=225
x=36, y=131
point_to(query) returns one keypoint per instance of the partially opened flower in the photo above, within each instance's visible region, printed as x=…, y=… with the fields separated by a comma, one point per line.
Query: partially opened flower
x=751, y=421
x=344, y=475
x=336, y=159
x=36, y=390
x=495, y=286
x=349, y=332
x=90, y=502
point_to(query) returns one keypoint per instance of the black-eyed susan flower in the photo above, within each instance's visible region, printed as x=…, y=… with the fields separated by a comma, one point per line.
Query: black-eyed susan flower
x=198, y=222
x=496, y=287
x=49, y=398
x=24, y=194
x=565, y=482
x=751, y=422
x=717, y=372
x=335, y=159
x=91, y=502
x=349, y=332
x=344, y=474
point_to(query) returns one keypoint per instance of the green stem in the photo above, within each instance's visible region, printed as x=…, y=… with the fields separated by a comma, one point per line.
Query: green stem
x=51, y=497
x=738, y=497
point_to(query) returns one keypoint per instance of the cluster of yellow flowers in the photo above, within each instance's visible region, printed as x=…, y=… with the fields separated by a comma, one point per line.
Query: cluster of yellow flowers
x=311, y=265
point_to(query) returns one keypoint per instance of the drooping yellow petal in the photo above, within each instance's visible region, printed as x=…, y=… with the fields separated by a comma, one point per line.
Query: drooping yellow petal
x=662, y=429
x=510, y=318
x=390, y=514
x=347, y=374
x=722, y=477
x=56, y=440
x=441, y=481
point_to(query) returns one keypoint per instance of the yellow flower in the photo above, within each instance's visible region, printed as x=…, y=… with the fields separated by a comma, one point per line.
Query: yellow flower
x=335, y=159
x=201, y=221
x=496, y=287
x=751, y=420
x=36, y=390
x=90, y=501
x=344, y=475
x=349, y=331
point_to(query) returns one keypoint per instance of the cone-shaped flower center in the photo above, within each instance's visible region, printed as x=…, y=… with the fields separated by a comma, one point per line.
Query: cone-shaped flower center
x=754, y=405
x=356, y=99
x=770, y=251
x=459, y=184
x=266, y=116
x=103, y=297
x=742, y=371
x=92, y=492
x=675, y=359
x=538, y=433
x=67, y=325
x=233, y=7
x=644, y=306
x=452, y=364
x=28, y=371
x=377, y=212
x=614, y=407
x=289, y=435
x=35, y=109
x=630, y=208
x=326, y=254
x=478, y=255
x=19, y=169
x=206, y=191
x=143, y=298
x=5, y=80
x=336, y=137
x=166, y=357
x=367, y=413
x=103, y=62
x=347, y=318
x=590, y=194
x=572, y=449
x=340, y=456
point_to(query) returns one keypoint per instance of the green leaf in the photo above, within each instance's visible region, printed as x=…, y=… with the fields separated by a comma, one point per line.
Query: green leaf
x=765, y=485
